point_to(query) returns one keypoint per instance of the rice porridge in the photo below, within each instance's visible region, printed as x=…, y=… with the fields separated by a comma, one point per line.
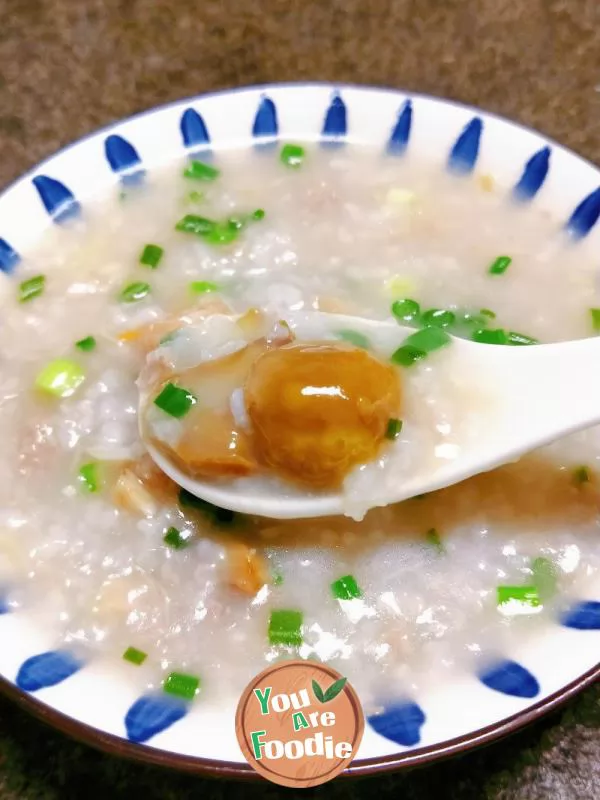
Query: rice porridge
x=107, y=552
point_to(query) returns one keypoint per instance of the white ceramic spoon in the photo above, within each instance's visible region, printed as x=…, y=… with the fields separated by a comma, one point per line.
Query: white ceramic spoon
x=537, y=394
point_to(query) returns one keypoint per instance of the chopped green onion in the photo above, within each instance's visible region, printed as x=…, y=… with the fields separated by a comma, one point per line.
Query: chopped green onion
x=432, y=537
x=174, y=539
x=500, y=265
x=202, y=287
x=258, y=214
x=354, y=337
x=497, y=336
x=526, y=595
x=346, y=588
x=406, y=310
x=437, y=317
x=135, y=656
x=134, y=292
x=195, y=197
x=175, y=401
x=33, y=287
x=292, y=155
x=581, y=475
x=393, y=429
x=418, y=345
x=88, y=476
x=151, y=255
x=544, y=577
x=60, y=378
x=487, y=313
x=200, y=171
x=277, y=579
x=182, y=685
x=223, y=233
x=87, y=344
x=285, y=627
x=189, y=500
x=520, y=339
x=595, y=313
x=192, y=223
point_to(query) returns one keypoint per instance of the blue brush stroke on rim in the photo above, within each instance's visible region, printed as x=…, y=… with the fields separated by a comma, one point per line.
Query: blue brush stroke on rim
x=4, y=605
x=400, y=135
x=463, y=155
x=584, y=217
x=152, y=714
x=584, y=616
x=47, y=669
x=534, y=175
x=123, y=159
x=335, y=125
x=58, y=200
x=265, y=124
x=510, y=678
x=9, y=258
x=400, y=722
x=193, y=130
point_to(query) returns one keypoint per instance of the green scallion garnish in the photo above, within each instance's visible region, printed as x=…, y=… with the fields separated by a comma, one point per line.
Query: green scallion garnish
x=203, y=287
x=354, y=337
x=595, y=314
x=33, y=287
x=515, y=338
x=192, y=223
x=151, y=255
x=182, y=685
x=487, y=312
x=393, y=429
x=174, y=539
x=195, y=197
x=285, y=627
x=87, y=344
x=134, y=292
x=135, y=656
x=292, y=155
x=89, y=476
x=200, y=171
x=223, y=233
x=60, y=378
x=258, y=214
x=545, y=577
x=175, y=401
x=581, y=475
x=484, y=336
x=524, y=595
x=418, y=345
x=406, y=310
x=500, y=265
x=346, y=588
x=277, y=579
x=438, y=317
x=432, y=537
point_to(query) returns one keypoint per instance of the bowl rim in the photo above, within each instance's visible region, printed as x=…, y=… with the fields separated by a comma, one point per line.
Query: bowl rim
x=115, y=745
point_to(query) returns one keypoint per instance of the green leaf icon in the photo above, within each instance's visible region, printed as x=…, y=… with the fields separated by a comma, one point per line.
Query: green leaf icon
x=334, y=689
x=318, y=692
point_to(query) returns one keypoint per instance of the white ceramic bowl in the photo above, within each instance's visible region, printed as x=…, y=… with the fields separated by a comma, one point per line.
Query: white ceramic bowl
x=97, y=701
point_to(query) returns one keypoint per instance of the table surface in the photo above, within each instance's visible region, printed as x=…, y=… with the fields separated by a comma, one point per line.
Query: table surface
x=68, y=67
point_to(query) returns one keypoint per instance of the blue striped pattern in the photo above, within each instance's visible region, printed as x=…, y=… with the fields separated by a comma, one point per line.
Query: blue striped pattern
x=58, y=200
x=123, y=159
x=9, y=258
x=265, y=124
x=463, y=156
x=584, y=217
x=583, y=616
x=335, y=125
x=152, y=714
x=400, y=722
x=400, y=135
x=534, y=175
x=193, y=130
x=510, y=678
x=47, y=669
